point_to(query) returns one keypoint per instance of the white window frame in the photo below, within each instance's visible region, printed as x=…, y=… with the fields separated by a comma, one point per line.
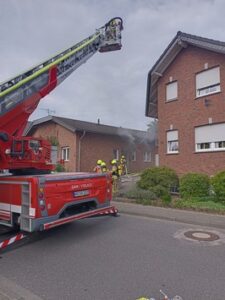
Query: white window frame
x=147, y=156
x=210, y=147
x=134, y=156
x=171, y=91
x=172, y=142
x=211, y=85
x=210, y=138
x=65, y=153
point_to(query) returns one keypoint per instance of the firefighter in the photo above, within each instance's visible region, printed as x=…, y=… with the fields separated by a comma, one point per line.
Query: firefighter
x=115, y=174
x=123, y=165
x=97, y=168
x=114, y=169
x=103, y=167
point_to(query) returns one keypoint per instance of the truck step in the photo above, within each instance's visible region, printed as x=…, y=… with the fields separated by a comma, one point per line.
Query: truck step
x=111, y=210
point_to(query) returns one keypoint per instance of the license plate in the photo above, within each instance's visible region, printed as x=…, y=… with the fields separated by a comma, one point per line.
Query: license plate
x=81, y=193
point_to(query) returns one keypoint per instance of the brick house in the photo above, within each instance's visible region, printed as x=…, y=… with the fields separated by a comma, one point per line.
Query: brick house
x=80, y=144
x=186, y=93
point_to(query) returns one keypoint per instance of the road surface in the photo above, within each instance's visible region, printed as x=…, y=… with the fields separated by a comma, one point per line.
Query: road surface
x=117, y=258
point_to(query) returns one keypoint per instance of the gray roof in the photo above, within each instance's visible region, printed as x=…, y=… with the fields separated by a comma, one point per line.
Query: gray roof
x=180, y=41
x=81, y=126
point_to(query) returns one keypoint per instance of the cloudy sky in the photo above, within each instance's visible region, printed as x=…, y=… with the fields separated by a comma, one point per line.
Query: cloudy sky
x=110, y=86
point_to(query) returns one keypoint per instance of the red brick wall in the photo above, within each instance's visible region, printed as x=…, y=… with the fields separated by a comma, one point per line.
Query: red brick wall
x=95, y=146
x=187, y=112
x=64, y=137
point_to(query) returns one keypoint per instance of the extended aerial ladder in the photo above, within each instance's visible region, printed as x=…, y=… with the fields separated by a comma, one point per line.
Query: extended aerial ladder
x=20, y=96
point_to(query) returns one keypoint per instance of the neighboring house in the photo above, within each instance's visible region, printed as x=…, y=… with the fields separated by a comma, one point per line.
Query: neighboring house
x=81, y=144
x=186, y=93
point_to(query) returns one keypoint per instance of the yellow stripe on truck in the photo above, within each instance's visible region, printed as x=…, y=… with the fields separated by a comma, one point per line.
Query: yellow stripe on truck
x=47, y=67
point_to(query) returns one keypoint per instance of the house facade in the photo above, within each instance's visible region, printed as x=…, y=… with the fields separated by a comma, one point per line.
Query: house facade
x=80, y=144
x=186, y=93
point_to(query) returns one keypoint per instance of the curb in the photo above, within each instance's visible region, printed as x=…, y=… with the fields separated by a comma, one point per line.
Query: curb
x=171, y=214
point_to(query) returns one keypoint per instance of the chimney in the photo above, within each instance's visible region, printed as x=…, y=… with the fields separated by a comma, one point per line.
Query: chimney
x=98, y=121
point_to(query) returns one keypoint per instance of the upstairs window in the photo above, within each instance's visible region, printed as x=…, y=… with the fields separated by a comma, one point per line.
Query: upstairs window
x=172, y=142
x=208, y=82
x=171, y=91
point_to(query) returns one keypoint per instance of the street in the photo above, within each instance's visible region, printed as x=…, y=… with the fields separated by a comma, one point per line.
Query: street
x=117, y=258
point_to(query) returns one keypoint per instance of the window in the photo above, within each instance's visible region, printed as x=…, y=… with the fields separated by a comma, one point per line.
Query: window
x=210, y=138
x=172, y=142
x=133, y=156
x=147, y=156
x=65, y=153
x=171, y=91
x=208, y=82
x=201, y=146
x=116, y=154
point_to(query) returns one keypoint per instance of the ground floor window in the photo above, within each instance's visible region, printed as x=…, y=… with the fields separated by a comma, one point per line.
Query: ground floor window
x=65, y=153
x=116, y=154
x=210, y=138
x=147, y=156
x=134, y=156
x=213, y=146
x=172, y=142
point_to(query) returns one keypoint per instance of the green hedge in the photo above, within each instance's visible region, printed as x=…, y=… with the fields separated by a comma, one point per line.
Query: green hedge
x=159, y=180
x=194, y=185
x=218, y=185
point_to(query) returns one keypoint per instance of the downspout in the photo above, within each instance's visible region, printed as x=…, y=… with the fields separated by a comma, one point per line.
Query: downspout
x=79, y=150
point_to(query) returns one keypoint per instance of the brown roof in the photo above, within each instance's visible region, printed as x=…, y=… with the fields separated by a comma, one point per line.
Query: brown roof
x=180, y=41
x=77, y=125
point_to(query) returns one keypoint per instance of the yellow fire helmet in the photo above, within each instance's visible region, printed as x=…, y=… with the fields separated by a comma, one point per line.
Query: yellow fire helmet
x=113, y=162
x=99, y=162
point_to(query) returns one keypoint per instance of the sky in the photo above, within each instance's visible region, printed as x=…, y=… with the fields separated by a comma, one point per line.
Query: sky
x=109, y=86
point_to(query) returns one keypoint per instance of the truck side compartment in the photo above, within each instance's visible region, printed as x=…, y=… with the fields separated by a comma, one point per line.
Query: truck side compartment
x=29, y=202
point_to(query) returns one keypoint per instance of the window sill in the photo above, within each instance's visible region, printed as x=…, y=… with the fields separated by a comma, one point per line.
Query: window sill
x=209, y=151
x=171, y=100
x=172, y=153
x=207, y=95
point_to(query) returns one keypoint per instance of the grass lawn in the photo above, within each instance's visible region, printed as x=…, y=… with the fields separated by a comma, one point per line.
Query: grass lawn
x=206, y=204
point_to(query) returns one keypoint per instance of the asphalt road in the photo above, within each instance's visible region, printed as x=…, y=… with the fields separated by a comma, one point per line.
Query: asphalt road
x=117, y=258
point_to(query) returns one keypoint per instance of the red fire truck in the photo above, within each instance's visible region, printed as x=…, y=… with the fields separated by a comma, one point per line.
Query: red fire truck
x=33, y=198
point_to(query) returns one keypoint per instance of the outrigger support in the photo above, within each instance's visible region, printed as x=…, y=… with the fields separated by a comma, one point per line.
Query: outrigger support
x=9, y=241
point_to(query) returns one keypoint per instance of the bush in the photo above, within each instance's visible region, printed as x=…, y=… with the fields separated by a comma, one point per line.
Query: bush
x=59, y=168
x=218, y=184
x=159, y=180
x=194, y=185
x=140, y=194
